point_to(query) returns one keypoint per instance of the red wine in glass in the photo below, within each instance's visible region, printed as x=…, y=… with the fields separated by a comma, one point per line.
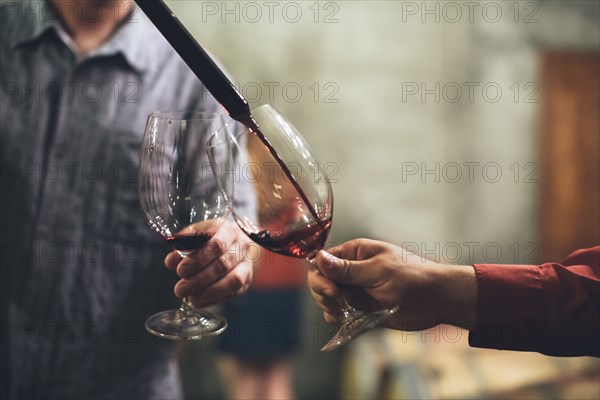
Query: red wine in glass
x=302, y=243
x=188, y=242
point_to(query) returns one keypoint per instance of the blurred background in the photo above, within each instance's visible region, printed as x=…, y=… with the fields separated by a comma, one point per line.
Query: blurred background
x=464, y=131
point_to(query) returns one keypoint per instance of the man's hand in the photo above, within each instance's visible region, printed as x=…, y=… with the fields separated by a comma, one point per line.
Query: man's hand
x=375, y=275
x=216, y=272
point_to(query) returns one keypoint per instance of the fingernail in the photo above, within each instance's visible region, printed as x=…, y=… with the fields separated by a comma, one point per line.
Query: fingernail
x=326, y=292
x=325, y=254
x=183, y=290
x=185, y=270
x=331, y=258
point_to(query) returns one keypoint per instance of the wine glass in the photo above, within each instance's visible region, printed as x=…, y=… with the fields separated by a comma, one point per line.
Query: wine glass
x=293, y=197
x=183, y=203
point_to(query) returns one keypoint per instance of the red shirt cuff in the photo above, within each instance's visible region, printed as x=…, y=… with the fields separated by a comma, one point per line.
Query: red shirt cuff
x=510, y=307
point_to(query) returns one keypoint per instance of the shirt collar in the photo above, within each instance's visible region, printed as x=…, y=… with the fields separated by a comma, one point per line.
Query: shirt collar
x=134, y=39
x=33, y=18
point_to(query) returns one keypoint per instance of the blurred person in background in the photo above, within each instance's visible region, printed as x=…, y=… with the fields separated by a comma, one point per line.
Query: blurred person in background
x=81, y=270
x=264, y=323
x=264, y=331
x=551, y=308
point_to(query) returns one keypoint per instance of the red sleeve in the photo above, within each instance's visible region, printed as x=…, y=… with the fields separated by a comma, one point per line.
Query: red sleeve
x=551, y=308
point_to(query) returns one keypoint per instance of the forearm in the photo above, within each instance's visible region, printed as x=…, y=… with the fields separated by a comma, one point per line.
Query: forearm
x=458, y=292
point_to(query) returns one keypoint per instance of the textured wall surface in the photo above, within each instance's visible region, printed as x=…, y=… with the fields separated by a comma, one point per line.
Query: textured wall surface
x=427, y=111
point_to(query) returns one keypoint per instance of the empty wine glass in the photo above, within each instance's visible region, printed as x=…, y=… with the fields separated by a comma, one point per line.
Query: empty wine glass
x=293, y=197
x=183, y=203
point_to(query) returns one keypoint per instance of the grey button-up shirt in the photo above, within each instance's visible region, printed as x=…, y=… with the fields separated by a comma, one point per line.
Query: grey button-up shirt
x=81, y=270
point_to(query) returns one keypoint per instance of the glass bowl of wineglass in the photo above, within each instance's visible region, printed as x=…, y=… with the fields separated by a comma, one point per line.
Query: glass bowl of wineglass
x=293, y=198
x=183, y=202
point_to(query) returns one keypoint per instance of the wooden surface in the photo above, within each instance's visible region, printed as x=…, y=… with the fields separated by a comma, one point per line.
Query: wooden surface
x=570, y=154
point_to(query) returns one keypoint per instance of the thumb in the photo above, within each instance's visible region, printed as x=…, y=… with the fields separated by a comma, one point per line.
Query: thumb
x=340, y=270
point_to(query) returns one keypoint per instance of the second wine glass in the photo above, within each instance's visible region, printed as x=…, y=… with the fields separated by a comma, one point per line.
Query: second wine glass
x=293, y=198
x=182, y=201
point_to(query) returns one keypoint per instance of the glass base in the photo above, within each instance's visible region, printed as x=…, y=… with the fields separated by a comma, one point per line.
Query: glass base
x=356, y=325
x=191, y=325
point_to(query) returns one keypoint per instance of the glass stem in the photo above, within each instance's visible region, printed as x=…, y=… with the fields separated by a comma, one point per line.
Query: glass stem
x=185, y=310
x=350, y=313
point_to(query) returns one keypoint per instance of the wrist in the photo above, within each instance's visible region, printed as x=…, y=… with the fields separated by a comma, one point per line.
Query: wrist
x=458, y=295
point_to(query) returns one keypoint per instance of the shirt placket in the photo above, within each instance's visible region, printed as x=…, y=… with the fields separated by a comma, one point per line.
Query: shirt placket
x=57, y=158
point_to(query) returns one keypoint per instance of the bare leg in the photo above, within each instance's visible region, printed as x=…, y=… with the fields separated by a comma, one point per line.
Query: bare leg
x=279, y=380
x=261, y=379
